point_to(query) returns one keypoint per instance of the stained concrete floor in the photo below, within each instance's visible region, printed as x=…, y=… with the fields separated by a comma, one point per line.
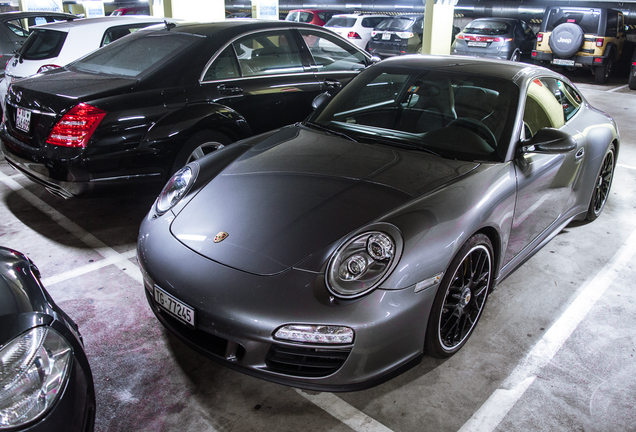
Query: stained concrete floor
x=538, y=360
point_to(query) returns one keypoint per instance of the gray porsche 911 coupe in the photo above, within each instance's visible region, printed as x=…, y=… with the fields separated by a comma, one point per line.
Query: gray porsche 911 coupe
x=332, y=254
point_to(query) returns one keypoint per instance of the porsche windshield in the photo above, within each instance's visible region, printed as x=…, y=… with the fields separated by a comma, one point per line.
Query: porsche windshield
x=456, y=115
x=134, y=55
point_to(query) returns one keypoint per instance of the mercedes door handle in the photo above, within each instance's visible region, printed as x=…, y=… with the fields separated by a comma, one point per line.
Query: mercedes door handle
x=229, y=90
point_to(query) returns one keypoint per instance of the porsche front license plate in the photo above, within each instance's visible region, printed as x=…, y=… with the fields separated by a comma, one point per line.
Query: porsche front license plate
x=23, y=119
x=174, y=307
x=562, y=62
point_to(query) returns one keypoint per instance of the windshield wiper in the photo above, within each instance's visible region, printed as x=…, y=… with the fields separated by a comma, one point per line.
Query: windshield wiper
x=397, y=142
x=329, y=131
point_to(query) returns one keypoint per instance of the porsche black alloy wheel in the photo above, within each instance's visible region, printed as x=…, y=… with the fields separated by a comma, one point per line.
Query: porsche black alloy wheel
x=602, y=186
x=461, y=298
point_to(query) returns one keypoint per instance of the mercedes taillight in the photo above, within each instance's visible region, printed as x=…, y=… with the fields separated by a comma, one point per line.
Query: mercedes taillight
x=76, y=126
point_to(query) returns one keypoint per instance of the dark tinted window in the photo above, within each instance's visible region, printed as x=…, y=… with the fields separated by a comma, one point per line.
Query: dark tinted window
x=224, y=67
x=43, y=44
x=442, y=111
x=489, y=28
x=371, y=22
x=268, y=53
x=588, y=20
x=331, y=53
x=136, y=55
x=396, y=24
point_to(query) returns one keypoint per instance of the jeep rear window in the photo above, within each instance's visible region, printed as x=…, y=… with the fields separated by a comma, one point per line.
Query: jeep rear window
x=489, y=28
x=588, y=20
x=43, y=44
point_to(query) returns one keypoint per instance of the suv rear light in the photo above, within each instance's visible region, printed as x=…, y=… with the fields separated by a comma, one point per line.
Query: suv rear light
x=353, y=35
x=76, y=126
x=599, y=42
x=404, y=35
x=539, y=37
x=598, y=60
x=47, y=67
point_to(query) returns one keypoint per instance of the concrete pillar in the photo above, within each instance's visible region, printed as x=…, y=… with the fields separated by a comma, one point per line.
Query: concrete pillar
x=438, y=26
x=189, y=10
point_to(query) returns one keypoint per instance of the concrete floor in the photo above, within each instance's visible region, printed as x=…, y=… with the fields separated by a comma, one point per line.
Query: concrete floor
x=553, y=352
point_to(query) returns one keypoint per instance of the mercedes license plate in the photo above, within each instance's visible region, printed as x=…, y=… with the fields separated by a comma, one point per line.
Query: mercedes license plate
x=174, y=307
x=478, y=44
x=386, y=36
x=23, y=119
x=562, y=62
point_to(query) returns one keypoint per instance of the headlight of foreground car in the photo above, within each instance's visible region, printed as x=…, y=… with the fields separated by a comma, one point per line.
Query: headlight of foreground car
x=175, y=189
x=34, y=368
x=360, y=264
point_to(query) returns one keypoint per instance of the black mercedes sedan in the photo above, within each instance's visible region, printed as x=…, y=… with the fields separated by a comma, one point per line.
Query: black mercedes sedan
x=142, y=107
x=45, y=379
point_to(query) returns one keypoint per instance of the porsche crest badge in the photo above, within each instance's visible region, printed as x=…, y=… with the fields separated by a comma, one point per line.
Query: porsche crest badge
x=220, y=237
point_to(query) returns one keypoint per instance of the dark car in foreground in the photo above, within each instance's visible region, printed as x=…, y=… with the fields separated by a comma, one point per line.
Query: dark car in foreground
x=45, y=379
x=498, y=38
x=145, y=105
x=331, y=254
x=397, y=35
x=632, y=73
x=15, y=27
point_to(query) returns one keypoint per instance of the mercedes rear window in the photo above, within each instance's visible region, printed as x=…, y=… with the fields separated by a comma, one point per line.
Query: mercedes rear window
x=488, y=28
x=341, y=22
x=133, y=56
x=588, y=20
x=43, y=44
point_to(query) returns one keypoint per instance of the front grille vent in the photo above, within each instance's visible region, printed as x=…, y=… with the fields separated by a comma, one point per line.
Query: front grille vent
x=305, y=362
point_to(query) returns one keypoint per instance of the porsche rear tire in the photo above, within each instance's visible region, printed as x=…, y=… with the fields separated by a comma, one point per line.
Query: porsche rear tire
x=602, y=185
x=461, y=298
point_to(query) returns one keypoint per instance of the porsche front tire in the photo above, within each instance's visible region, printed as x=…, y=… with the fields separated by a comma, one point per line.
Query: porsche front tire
x=461, y=297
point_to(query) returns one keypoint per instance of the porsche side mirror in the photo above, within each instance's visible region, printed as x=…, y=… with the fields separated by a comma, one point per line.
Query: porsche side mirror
x=320, y=100
x=375, y=59
x=549, y=140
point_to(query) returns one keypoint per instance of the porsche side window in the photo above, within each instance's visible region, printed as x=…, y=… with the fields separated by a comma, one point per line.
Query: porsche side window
x=224, y=67
x=570, y=100
x=542, y=109
x=269, y=53
x=331, y=54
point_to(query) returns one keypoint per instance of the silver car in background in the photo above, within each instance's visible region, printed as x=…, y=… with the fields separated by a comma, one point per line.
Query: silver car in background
x=497, y=38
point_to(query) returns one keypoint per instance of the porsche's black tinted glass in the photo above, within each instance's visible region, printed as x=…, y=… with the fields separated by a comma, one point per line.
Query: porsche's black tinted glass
x=458, y=115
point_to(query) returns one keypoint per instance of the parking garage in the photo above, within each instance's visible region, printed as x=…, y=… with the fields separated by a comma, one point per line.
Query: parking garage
x=554, y=348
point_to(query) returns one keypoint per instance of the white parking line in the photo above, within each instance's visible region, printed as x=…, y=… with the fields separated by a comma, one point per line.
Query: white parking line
x=347, y=414
x=626, y=166
x=493, y=411
x=617, y=88
x=114, y=257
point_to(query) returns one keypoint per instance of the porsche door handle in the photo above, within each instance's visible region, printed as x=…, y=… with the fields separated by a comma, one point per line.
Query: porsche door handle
x=229, y=90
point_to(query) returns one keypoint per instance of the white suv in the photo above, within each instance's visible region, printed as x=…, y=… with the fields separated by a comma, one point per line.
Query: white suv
x=356, y=28
x=54, y=45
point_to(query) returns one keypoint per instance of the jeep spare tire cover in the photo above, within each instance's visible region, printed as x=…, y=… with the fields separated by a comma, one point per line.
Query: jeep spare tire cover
x=566, y=39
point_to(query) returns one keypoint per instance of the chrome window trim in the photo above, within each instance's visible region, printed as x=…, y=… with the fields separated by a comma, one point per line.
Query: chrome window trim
x=309, y=69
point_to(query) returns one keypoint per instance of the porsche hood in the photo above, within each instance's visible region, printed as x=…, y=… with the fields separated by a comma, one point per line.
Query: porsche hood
x=299, y=191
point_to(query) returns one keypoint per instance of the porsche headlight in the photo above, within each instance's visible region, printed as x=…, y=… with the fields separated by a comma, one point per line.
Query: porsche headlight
x=34, y=368
x=360, y=264
x=175, y=189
